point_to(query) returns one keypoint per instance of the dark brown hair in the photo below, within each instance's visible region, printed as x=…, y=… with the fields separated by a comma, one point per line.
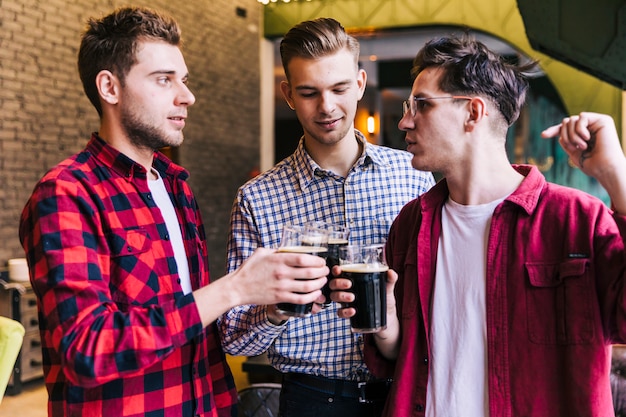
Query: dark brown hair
x=110, y=43
x=470, y=68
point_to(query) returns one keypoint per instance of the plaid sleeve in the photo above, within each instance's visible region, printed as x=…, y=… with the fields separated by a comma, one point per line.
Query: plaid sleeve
x=243, y=237
x=245, y=329
x=97, y=337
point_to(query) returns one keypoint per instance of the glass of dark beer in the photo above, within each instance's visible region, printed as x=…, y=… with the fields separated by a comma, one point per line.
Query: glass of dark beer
x=302, y=239
x=365, y=266
x=337, y=238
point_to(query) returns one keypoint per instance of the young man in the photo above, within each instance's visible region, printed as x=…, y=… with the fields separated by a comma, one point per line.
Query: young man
x=509, y=289
x=334, y=176
x=117, y=251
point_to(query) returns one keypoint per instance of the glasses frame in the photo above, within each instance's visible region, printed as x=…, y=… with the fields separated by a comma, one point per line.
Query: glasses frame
x=407, y=105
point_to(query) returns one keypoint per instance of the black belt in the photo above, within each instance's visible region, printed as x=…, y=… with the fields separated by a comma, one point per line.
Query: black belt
x=366, y=392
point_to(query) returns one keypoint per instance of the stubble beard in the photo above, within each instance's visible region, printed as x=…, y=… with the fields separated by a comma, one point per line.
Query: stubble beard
x=143, y=135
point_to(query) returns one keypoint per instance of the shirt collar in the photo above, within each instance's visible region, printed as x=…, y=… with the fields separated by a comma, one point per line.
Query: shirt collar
x=307, y=169
x=126, y=167
x=526, y=195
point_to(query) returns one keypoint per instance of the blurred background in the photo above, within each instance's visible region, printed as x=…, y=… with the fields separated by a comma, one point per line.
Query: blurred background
x=240, y=125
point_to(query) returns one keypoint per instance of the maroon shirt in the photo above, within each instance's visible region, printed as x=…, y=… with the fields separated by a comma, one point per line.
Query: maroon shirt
x=119, y=337
x=555, y=301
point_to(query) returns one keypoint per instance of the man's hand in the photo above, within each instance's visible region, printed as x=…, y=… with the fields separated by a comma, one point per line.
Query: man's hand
x=592, y=144
x=386, y=339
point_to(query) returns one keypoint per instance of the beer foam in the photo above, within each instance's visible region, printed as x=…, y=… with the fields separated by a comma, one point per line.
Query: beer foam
x=303, y=249
x=312, y=240
x=364, y=268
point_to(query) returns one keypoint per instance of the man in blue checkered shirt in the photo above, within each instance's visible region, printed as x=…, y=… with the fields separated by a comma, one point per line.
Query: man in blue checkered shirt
x=334, y=176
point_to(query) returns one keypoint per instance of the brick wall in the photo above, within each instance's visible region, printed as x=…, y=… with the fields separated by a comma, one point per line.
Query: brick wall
x=46, y=117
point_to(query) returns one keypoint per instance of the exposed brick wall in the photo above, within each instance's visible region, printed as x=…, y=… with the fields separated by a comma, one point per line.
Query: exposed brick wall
x=45, y=116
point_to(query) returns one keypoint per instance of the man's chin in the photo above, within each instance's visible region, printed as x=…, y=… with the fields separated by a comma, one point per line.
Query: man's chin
x=419, y=164
x=174, y=141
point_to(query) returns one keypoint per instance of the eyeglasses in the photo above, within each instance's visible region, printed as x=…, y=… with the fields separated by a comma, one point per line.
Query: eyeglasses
x=413, y=105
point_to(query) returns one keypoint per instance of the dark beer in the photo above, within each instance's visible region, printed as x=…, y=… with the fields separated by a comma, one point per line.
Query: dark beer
x=331, y=260
x=300, y=310
x=370, y=296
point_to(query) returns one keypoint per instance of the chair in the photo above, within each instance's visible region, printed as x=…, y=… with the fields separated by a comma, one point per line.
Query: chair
x=259, y=400
x=618, y=379
x=11, y=336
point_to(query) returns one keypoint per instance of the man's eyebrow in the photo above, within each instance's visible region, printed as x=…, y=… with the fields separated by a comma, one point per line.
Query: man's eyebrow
x=339, y=84
x=168, y=72
x=163, y=71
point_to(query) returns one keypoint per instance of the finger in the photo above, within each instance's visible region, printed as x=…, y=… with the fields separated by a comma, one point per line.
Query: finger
x=392, y=276
x=309, y=285
x=336, y=270
x=317, y=307
x=308, y=273
x=552, y=131
x=573, y=126
x=572, y=136
x=581, y=127
x=301, y=260
x=342, y=296
x=346, y=312
x=340, y=284
x=321, y=299
x=300, y=298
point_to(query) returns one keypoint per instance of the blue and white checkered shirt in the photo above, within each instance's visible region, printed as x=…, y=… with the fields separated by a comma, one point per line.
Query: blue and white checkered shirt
x=297, y=190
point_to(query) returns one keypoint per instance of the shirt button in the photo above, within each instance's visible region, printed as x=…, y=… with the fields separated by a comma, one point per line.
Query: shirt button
x=425, y=360
x=419, y=407
x=166, y=237
x=149, y=196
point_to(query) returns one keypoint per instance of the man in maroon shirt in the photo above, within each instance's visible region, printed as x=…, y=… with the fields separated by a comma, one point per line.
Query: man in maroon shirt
x=509, y=290
x=117, y=250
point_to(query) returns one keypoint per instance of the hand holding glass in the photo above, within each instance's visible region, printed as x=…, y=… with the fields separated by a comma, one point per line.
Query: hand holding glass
x=366, y=268
x=337, y=237
x=302, y=239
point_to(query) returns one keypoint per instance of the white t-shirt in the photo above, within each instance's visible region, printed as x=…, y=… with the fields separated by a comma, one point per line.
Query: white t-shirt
x=457, y=380
x=162, y=200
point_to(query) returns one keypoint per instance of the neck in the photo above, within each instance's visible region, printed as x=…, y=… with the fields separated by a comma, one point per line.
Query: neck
x=473, y=187
x=119, y=140
x=338, y=157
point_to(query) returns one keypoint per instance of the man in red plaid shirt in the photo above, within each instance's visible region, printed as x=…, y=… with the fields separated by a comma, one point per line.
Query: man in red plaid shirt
x=117, y=249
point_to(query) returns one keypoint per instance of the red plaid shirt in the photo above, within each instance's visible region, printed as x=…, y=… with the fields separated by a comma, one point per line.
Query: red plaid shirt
x=119, y=337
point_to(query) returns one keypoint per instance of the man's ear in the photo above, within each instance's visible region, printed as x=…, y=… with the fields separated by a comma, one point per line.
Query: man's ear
x=477, y=111
x=361, y=82
x=285, y=89
x=108, y=86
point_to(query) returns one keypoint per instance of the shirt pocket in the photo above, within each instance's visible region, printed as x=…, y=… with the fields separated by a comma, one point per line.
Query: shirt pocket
x=371, y=230
x=558, y=302
x=133, y=280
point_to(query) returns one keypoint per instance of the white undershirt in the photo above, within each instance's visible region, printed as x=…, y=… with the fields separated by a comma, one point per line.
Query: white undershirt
x=162, y=200
x=457, y=380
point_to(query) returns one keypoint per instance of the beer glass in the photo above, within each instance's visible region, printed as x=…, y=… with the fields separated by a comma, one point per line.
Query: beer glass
x=365, y=266
x=337, y=238
x=302, y=239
